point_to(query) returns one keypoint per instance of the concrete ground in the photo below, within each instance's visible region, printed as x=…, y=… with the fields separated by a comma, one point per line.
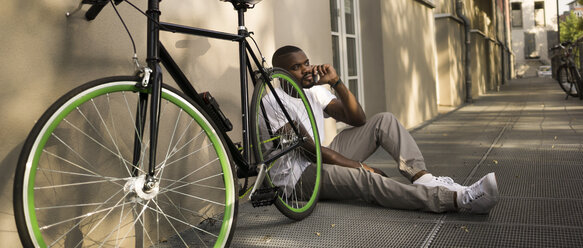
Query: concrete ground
x=527, y=133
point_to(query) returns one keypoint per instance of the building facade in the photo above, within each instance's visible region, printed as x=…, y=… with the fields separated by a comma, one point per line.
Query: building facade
x=474, y=49
x=576, y=8
x=534, y=31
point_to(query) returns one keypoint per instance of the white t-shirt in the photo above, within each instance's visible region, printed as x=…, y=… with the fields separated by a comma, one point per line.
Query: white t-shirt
x=287, y=170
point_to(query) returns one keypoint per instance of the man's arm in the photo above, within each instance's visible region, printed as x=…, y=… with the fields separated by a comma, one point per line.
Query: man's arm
x=329, y=156
x=345, y=108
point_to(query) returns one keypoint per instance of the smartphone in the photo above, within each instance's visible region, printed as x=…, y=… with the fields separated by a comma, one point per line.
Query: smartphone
x=315, y=77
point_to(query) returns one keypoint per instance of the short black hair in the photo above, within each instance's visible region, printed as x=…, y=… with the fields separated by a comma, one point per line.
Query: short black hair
x=282, y=51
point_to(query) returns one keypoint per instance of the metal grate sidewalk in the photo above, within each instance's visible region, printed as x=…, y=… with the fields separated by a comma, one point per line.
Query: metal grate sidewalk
x=527, y=133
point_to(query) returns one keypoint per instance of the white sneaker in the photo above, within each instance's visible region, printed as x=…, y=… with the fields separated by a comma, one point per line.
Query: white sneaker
x=480, y=197
x=432, y=181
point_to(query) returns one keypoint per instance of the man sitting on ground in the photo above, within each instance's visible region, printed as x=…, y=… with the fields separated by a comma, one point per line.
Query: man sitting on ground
x=344, y=176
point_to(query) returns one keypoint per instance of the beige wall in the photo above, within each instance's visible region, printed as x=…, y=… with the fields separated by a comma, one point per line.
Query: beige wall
x=305, y=24
x=485, y=52
x=450, y=42
x=478, y=65
x=409, y=60
x=449, y=38
x=46, y=54
x=372, y=57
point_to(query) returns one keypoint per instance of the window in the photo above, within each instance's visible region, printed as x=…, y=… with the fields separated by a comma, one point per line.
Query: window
x=539, y=14
x=516, y=15
x=530, y=51
x=345, y=26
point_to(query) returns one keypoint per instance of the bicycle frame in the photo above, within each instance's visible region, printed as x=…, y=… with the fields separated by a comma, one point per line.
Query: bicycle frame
x=568, y=61
x=157, y=53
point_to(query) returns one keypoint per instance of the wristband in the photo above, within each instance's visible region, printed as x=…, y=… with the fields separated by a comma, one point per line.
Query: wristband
x=337, y=82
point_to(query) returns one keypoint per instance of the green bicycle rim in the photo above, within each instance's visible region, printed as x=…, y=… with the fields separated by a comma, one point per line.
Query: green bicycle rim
x=102, y=89
x=316, y=140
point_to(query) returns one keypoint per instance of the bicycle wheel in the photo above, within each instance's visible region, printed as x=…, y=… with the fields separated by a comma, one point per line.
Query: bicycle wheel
x=297, y=172
x=75, y=184
x=578, y=81
x=567, y=81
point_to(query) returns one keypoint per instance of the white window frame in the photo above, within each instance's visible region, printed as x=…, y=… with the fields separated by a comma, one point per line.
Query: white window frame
x=343, y=50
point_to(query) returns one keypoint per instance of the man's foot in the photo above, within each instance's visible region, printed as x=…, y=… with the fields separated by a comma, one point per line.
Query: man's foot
x=432, y=181
x=480, y=197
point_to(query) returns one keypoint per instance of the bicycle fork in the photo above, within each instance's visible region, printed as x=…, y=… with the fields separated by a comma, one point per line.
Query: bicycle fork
x=152, y=79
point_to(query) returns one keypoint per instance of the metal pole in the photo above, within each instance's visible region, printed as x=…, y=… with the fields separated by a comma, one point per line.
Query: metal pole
x=558, y=24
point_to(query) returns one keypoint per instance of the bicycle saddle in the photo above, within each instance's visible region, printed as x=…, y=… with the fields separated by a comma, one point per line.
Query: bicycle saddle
x=247, y=2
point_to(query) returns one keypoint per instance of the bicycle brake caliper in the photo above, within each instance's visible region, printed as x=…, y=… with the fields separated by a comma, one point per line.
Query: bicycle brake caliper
x=146, y=78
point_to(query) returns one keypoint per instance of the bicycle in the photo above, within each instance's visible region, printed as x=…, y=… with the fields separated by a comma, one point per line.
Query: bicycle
x=130, y=161
x=568, y=76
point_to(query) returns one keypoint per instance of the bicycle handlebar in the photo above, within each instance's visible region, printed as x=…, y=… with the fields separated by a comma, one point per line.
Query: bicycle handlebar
x=563, y=45
x=93, y=11
x=96, y=7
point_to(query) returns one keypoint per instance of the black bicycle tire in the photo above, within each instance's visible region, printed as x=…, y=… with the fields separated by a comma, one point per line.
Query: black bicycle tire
x=280, y=204
x=563, y=85
x=578, y=82
x=18, y=190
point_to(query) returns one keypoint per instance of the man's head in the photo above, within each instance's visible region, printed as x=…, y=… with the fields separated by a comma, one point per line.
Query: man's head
x=294, y=60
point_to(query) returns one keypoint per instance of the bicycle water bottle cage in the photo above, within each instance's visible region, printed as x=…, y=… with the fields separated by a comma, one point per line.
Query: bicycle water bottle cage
x=215, y=112
x=264, y=196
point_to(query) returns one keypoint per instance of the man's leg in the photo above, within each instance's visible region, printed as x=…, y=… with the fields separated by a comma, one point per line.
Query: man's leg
x=342, y=183
x=358, y=143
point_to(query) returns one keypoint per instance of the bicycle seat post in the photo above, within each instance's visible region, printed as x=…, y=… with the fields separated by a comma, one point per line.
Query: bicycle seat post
x=241, y=8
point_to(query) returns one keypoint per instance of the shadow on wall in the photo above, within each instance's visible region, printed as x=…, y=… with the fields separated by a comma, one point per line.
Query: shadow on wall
x=449, y=42
x=8, y=232
x=409, y=61
x=47, y=54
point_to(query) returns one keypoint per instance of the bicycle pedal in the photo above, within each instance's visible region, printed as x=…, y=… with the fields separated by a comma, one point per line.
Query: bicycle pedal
x=264, y=197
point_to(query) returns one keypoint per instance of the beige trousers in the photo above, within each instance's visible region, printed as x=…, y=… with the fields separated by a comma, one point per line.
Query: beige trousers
x=358, y=143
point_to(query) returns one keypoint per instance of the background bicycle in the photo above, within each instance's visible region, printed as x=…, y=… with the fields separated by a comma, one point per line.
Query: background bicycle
x=128, y=161
x=568, y=76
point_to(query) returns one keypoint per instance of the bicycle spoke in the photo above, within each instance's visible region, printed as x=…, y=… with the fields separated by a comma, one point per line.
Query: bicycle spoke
x=72, y=184
x=195, y=197
x=194, y=183
x=114, y=129
x=185, y=223
x=169, y=222
x=97, y=142
x=72, y=163
x=85, y=191
x=138, y=218
x=82, y=217
x=87, y=121
x=198, y=169
x=164, y=163
x=110, y=136
x=173, y=134
x=180, y=210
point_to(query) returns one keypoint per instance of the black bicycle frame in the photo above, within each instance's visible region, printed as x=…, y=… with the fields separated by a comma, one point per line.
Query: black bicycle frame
x=157, y=53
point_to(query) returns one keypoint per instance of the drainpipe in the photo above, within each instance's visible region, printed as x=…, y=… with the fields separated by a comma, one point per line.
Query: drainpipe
x=506, y=49
x=501, y=81
x=468, y=77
